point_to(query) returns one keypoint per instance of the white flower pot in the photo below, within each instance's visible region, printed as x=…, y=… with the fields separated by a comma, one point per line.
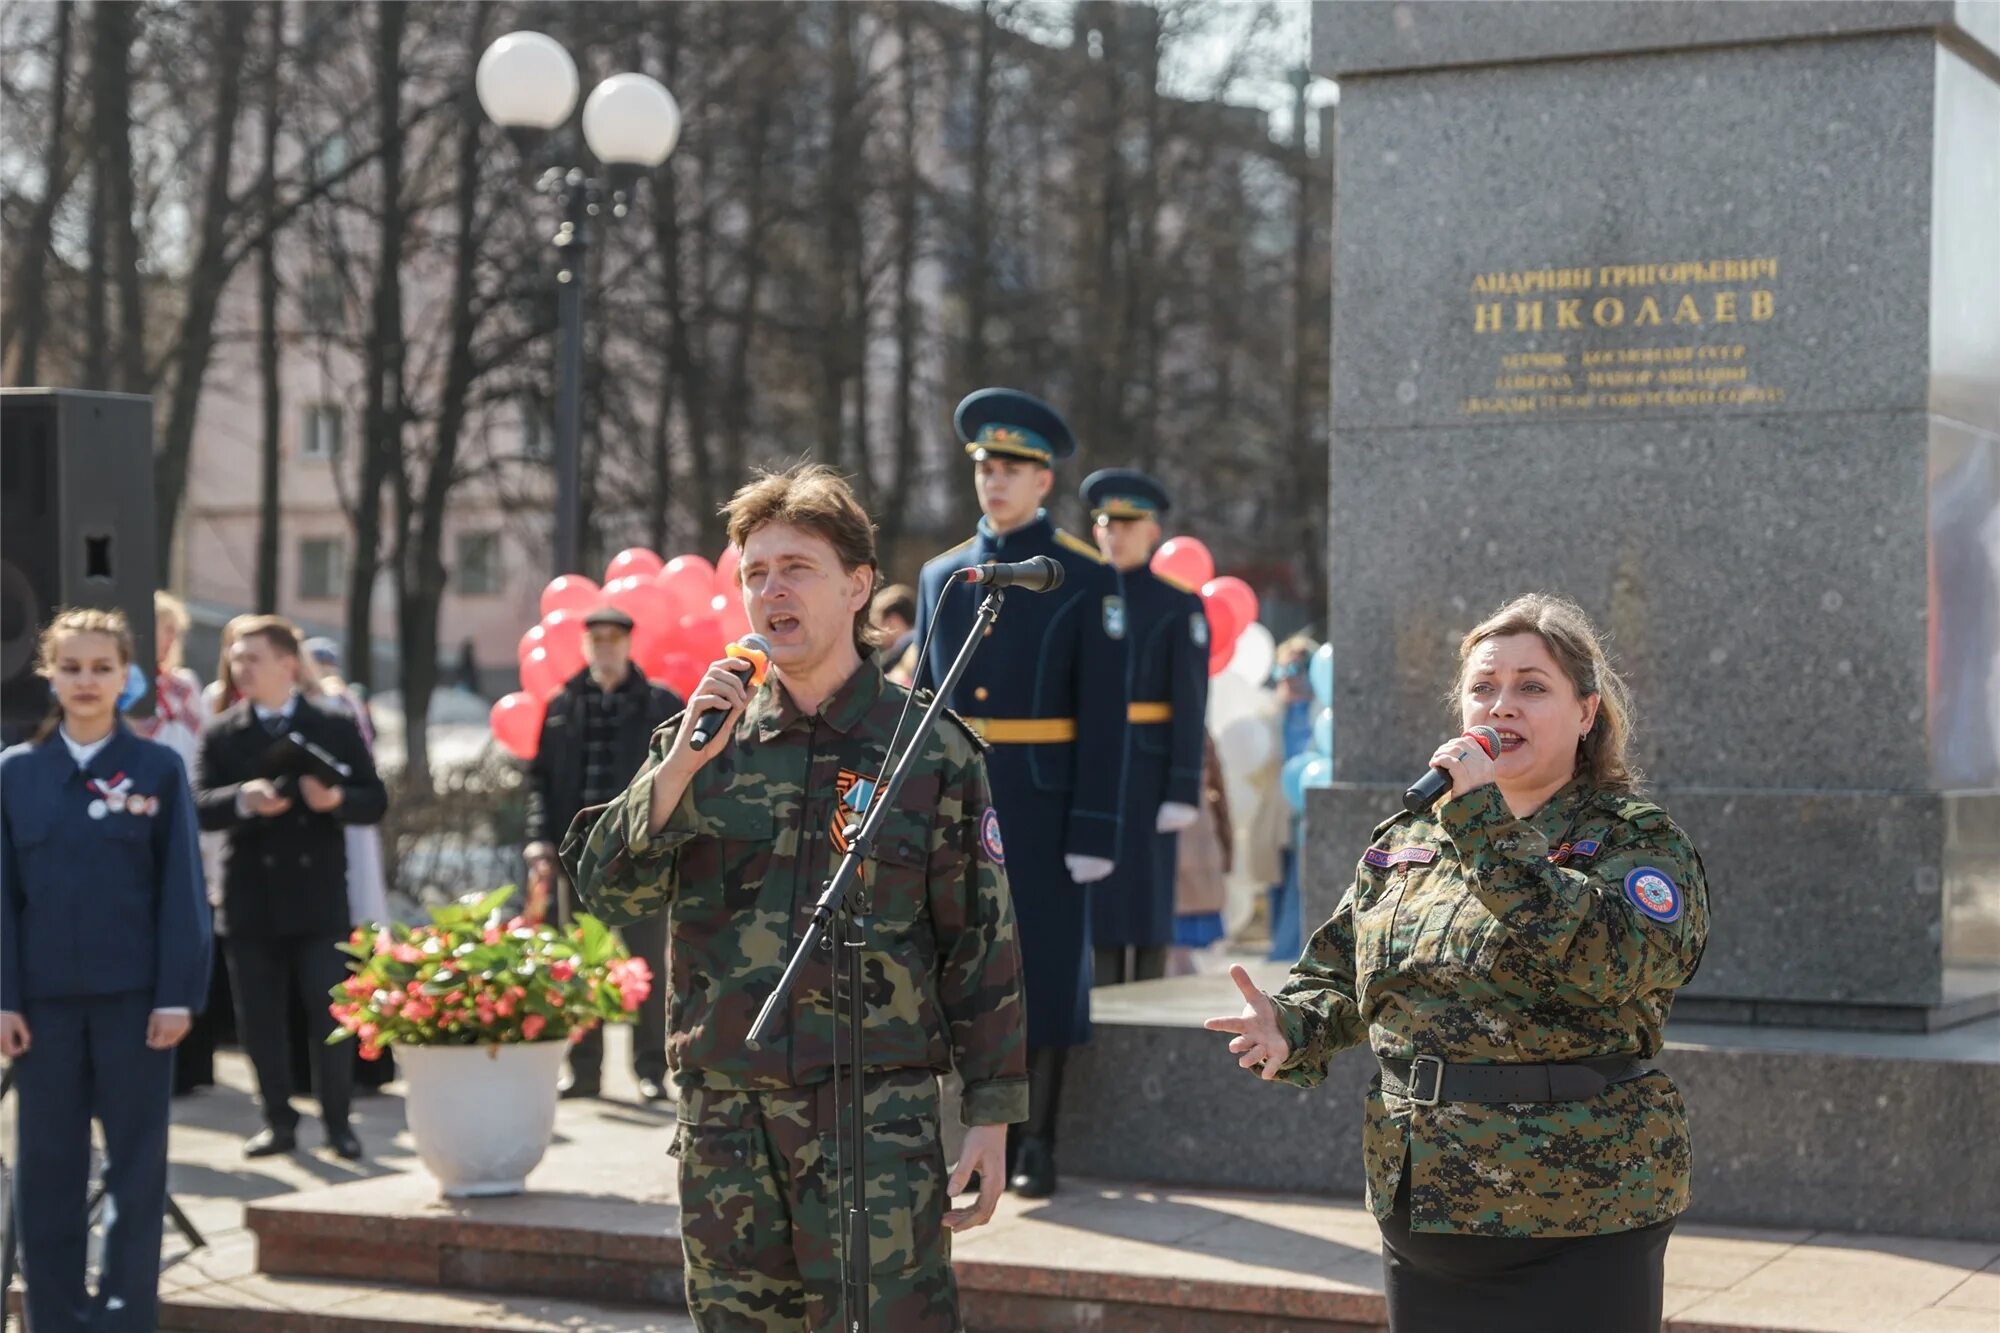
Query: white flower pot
x=481, y=1116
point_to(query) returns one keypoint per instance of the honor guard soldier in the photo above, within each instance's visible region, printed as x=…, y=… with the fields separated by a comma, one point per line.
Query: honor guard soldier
x=1132, y=912
x=1047, y=693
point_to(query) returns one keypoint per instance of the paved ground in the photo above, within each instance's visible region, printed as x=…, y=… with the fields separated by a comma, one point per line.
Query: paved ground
x=1718, y=1277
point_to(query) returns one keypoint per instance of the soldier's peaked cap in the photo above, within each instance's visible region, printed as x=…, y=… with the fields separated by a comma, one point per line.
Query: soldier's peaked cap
x=1123, y=492
x=1006, y=423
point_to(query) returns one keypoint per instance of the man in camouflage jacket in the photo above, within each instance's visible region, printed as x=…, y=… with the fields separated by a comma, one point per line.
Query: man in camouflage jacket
x=734, y=843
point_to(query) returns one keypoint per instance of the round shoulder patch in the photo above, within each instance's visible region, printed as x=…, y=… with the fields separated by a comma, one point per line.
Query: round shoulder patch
x=989, y=836
x=1654, y=893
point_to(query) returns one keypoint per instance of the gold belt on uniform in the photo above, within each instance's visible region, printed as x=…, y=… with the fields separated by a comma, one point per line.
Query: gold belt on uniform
x=1141, y=714
x=1023, y=730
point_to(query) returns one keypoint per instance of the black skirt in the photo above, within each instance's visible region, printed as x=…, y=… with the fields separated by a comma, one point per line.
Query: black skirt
x=1443, y=1283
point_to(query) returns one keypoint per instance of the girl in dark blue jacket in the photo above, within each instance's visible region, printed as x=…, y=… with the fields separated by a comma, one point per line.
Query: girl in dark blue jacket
x=104, y=954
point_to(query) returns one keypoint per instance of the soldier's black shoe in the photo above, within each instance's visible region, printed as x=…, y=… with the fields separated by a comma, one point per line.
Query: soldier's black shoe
x=653, y=1090
x=571, y=1087
x=1034, y=1169
x=344, y=1144
x=270, y=1143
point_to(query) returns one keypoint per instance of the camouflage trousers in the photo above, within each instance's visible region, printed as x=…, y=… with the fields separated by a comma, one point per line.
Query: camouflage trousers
x=760, y=1210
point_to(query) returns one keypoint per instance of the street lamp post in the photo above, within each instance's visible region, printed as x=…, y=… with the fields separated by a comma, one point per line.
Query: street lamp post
x=528, y=85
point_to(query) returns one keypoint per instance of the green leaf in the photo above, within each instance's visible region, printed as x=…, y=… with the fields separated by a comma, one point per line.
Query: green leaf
x=598, y=946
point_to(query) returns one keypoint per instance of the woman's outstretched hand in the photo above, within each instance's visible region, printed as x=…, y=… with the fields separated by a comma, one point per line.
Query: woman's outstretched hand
x=1259, y=1039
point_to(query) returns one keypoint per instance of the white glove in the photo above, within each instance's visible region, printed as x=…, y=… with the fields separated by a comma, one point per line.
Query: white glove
x=1174, y=817
x=1088, y=869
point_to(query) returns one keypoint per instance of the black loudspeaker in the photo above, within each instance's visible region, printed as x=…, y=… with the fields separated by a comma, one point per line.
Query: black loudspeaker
x=76, y=529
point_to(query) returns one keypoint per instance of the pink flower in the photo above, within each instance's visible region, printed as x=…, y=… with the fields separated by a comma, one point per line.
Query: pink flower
x=384, y=941
x=418, y=1009
x=562, y=969
x=505, y=1007
x=492, y=935
x=369, y=1051
x=368, y=1032
x=531, y=1026
x=407, y=953
x=358, y=987
x=393, y=1001
x=554, y=998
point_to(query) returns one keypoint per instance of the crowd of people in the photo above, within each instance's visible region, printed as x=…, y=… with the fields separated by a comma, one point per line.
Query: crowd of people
x=1511, y=953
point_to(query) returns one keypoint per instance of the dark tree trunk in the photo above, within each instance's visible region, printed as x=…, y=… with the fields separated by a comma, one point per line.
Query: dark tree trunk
x=421, y=584
x=116, y=23
x=268, y=512
x=30, y=282
x=196, y=338
x=383, y=415
x=891, y=514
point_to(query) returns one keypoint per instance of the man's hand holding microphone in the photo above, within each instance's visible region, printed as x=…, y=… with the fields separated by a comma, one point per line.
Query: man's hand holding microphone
x=712, y=711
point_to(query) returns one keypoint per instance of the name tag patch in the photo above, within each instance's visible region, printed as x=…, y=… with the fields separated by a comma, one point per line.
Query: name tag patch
x=1654, y=893
x=1383, y=859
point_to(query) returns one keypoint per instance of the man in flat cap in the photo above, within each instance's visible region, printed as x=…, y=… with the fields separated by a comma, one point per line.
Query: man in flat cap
x=594, y=740
x=1047, y=694
x=1132, y=912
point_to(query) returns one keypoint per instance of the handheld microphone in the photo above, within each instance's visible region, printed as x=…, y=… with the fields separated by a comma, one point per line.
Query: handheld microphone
x=754, y=651
x=1435, y=783
x=1036, y=574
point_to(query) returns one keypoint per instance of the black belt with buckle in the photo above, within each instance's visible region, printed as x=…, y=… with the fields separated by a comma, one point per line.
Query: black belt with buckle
x=1428, y=1080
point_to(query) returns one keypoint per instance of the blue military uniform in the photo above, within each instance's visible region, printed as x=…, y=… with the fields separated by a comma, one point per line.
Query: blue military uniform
x=1047, y=692
x=103, y=919
x=1168, y=633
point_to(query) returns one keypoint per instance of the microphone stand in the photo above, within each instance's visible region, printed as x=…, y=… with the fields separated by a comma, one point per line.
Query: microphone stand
x=839, y=902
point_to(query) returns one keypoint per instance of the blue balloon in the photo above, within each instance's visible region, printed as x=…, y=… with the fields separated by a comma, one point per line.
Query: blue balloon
x=135, y=687
x=1323, y=733
x=1292, y=780
x=1320, y=673
x=1318, y=774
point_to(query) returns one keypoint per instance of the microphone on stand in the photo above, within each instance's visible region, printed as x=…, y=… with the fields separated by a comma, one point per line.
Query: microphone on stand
x=754, y=652
x=1423, y=794
x=1036, y=574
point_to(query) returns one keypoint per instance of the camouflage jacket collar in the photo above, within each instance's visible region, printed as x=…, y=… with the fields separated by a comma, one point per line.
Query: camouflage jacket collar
x=772, y=711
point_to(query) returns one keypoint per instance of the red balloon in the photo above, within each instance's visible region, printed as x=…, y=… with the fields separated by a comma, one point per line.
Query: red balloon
x=530, y=641
x=570, y=592
x=689, y=588
x=562, y=640
x=516, y=720
x=728, y=569
x=540, y=675
x=1184, y=560
x=630, y=561
x=1223, y=631
x=701, y=636
x=693, y=562
x=1220, y=655
x=651, y=640
x=1240, y=595
x=681, y=672
x=643, y=600
x=729, y=611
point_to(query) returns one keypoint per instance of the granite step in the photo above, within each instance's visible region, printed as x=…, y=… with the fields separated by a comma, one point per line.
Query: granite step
x=262, y=1304
x=1111, y=1257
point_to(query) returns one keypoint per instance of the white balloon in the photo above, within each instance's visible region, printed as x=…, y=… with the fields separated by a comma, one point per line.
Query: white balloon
x=1256, y=650
x=1229, y=698
x=1246, y=745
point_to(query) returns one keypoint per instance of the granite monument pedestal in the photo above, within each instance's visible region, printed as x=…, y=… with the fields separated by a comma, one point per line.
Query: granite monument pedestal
x=1691, y=312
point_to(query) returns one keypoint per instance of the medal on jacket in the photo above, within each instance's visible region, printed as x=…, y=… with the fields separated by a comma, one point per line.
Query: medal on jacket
x=110, y=795
x=855, y=790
